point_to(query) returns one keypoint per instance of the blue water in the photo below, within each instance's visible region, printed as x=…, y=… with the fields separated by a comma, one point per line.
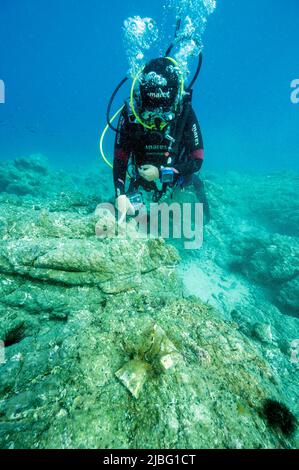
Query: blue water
x=61, y=60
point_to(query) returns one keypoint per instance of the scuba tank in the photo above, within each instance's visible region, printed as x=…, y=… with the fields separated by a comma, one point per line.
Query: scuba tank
x=183, y=92
x=173, y=132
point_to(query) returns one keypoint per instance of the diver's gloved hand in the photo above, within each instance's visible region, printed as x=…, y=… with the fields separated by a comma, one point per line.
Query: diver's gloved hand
x=124, y=206
x=149, y=172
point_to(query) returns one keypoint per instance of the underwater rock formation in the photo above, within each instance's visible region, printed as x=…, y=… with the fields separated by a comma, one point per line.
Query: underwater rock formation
x=279, y=252
x=65, y=345
x=23, y=175
x=103, y=349
x=289, y=295
x=272, y=261
x=247, y=268
x=78, y=191
x=275, y=202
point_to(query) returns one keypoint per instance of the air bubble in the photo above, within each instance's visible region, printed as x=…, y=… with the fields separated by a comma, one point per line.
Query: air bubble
x=140, y=34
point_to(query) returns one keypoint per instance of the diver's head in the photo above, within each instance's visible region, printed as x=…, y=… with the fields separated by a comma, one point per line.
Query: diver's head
x=159, y=92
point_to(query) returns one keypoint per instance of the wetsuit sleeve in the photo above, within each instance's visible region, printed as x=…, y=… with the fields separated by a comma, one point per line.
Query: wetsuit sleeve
x=121, y=155
x=194, y=149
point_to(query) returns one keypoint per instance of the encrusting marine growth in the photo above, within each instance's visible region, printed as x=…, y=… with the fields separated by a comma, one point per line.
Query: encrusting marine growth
x=104, y=348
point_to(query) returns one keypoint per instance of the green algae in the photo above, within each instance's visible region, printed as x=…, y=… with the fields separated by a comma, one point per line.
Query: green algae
x=77, y=312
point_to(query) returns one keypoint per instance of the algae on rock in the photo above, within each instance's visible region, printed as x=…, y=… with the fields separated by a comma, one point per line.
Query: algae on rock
x=79, y=312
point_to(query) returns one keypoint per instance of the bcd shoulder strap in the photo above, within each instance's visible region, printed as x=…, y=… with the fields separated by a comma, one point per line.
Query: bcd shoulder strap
x=181, y=124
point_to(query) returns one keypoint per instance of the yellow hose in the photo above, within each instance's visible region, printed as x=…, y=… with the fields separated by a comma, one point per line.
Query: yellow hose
x=182, y=85
x=134, y=111
x=103, y=136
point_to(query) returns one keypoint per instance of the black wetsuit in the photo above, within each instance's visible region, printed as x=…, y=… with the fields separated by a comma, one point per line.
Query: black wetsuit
x=148, y=146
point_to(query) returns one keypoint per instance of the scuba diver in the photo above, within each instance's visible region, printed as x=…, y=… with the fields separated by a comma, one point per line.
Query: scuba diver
x=158, y=134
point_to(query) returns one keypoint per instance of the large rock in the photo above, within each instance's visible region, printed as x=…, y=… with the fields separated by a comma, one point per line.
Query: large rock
x=271, y=261
x=60, y=387
x=274, y=201
x=288, y=296
x=101, y=348
x=28, y=181
x=24, y=175
x=113, y=266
